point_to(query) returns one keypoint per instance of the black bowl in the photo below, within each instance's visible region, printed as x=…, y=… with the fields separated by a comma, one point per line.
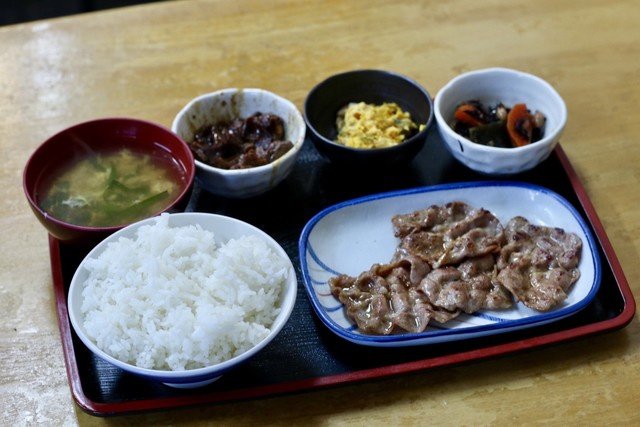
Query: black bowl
x=371, y=86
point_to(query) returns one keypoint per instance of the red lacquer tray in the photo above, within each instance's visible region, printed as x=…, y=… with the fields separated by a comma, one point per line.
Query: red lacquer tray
x=306, y=355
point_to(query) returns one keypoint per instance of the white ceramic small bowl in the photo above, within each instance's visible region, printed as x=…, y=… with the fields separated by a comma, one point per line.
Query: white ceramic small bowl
x=492, y=86
x=227, y=104
x=224, y=229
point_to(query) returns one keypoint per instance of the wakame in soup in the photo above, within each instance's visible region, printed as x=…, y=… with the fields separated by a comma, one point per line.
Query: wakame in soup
x=110, y=189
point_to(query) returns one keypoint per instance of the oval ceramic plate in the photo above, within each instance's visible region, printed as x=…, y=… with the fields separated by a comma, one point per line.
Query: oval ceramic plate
x=349, y=237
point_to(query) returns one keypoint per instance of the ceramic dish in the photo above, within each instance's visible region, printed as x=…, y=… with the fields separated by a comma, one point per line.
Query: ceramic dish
x=225, y=229
x=500, y=85
x=228, y=104
x=349, y=237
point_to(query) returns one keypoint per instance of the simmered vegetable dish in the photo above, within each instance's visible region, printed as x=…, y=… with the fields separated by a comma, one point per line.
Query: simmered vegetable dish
x=499, y=125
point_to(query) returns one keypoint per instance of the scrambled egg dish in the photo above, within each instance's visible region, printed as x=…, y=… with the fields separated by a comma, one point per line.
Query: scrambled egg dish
x=362, y=125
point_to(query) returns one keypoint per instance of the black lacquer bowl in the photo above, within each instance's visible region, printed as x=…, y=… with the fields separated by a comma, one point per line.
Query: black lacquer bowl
x=373, y=87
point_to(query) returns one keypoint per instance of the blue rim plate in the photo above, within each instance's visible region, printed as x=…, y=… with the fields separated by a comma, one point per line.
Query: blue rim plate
x=349, y=237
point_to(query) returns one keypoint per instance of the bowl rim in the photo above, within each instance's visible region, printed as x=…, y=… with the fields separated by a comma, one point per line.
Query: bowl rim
x=185, y=376
x=297, y=145
x=548, y=137
x=417, y=136
x=104, y=229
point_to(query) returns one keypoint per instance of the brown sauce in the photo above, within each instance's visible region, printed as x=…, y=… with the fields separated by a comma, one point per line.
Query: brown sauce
x=241, y=143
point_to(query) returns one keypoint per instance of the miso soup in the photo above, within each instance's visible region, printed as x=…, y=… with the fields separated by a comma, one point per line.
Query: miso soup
x=110, y=189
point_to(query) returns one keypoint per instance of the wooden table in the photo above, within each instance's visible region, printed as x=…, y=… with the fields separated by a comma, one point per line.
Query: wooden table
x=147, y=61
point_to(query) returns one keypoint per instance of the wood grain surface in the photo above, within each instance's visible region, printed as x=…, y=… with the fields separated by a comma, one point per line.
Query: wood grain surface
x=148, y=61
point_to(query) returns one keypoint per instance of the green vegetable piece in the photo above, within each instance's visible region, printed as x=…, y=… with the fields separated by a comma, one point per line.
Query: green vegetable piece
x=139, y=207
x=493, y=134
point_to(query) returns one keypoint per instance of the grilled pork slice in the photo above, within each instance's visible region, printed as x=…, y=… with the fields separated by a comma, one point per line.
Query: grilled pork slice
x=471, y=286
x=385, y=298
x=538, y=264
x=448, y=234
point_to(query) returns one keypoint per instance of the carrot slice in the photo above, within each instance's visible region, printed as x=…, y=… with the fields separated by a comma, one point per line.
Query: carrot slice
x=469, y=114
x=520, y=125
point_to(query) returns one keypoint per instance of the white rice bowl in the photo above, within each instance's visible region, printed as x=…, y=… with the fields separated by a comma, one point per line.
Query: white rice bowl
x=182, y=298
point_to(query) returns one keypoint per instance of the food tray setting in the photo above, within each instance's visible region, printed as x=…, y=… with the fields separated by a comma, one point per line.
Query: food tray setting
x=307, y=355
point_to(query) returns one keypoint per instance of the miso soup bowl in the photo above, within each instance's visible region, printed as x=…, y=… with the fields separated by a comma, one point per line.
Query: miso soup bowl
x=239, y=103
x=72, y=144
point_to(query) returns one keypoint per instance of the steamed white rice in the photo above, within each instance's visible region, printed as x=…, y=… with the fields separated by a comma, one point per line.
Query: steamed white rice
x=172, y=299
